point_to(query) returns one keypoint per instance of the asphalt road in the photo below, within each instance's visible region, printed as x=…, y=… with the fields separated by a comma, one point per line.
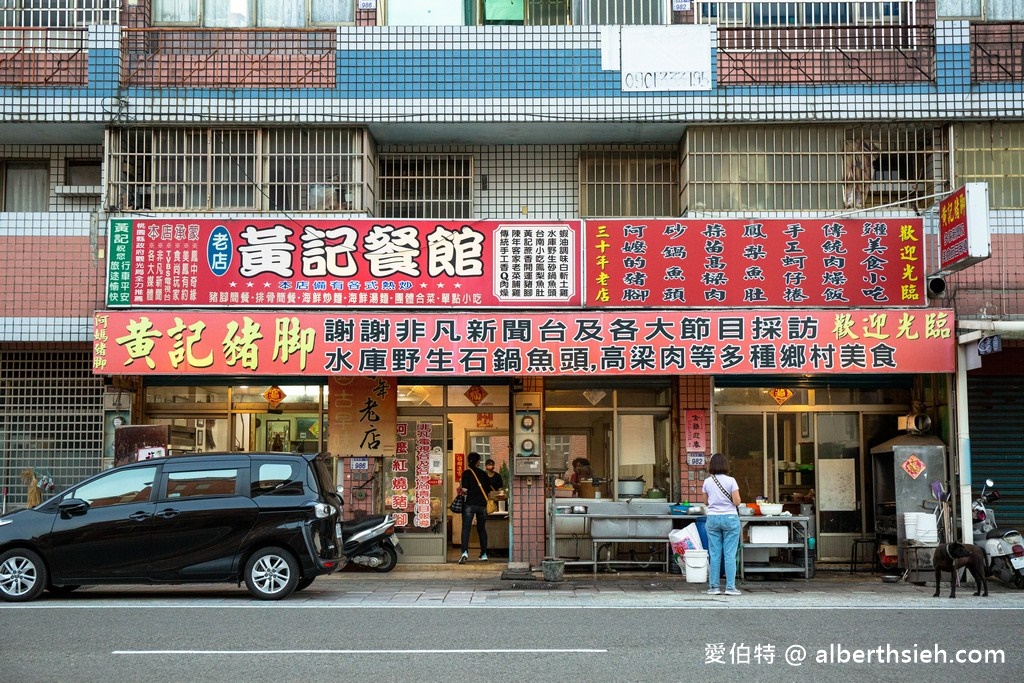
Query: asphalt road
x=145, y=637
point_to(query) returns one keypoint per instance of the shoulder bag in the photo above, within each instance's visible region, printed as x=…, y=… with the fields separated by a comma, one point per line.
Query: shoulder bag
x=492, y=505
x=721, y=488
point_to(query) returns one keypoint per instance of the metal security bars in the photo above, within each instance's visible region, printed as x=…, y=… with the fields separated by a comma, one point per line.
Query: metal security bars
x=577, y=12
x=60, y=13
x=629, y=184
x=51, y=418
x=810, y=25
x=827, y=168
x=992, y=153
x=209, y=169
x=425, y=186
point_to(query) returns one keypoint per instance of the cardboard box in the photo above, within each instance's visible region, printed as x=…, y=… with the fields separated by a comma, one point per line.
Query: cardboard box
x=769, y=533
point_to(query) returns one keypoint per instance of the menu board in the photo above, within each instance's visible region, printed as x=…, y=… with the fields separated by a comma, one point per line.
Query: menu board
x=315, y=263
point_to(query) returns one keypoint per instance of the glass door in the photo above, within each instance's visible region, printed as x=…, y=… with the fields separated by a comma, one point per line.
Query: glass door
x=415, y=487
x=744, y=439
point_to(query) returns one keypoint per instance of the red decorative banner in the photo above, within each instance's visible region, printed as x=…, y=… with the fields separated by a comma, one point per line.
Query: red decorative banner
x=776, y=263
x=508, y=344
x=265, y=263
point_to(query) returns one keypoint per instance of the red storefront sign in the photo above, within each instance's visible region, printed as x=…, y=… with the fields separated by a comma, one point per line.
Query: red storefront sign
x=509, y=344
x=801, y=262
x=264, y=263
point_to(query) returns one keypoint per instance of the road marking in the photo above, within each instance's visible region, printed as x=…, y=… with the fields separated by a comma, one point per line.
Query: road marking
x=695, y=604
x=363, y=652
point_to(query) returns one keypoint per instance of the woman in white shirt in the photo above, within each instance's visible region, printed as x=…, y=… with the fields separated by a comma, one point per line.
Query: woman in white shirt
x=723, y=525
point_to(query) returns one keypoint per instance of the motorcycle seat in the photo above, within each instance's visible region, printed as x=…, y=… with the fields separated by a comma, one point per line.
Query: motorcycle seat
x=357, y=525
x=999, y=532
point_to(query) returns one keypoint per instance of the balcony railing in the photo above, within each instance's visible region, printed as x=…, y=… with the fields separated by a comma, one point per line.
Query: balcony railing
x=811, y=26
x=43, y=56
x=997, y=52
x=235, y=58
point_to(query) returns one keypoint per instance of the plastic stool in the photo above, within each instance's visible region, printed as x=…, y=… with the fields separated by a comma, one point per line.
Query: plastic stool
x=855, y=561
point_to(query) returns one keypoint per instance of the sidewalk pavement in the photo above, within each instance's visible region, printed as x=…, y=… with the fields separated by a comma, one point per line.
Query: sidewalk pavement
x=492, y=584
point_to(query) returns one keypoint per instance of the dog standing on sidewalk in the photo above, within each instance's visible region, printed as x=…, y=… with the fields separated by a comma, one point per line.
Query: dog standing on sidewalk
x=950, y=557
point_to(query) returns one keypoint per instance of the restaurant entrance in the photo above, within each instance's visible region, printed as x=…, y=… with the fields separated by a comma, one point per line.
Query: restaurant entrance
x=810, y=453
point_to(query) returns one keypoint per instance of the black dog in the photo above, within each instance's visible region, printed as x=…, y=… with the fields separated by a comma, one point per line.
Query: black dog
x=951, y=557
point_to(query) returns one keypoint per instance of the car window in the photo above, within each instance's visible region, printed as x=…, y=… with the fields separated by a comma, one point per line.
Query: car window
x=193, y=483
x=280, y=478
x=125, y=486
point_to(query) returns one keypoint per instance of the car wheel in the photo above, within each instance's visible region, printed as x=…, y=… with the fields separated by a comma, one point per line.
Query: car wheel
x=22, y=575
x=62, y=590
x=271, y=574
x=304, y=583
x=390, y=559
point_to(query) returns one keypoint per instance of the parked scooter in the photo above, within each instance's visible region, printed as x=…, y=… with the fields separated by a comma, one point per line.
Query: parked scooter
x=1004, y=547
x=371, y=542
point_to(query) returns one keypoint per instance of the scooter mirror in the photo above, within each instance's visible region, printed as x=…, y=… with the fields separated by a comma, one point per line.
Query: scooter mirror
x=989, y=483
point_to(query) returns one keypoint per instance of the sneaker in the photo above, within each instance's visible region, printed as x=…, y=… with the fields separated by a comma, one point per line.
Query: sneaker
x=732, y=591
x=483, y=558
x=714, y=591
x=465, y=556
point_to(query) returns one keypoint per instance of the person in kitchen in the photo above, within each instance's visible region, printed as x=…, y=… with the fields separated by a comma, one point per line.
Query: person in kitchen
x=496, y=483
x=580, y=471
x=475, y=484
x=722, y=495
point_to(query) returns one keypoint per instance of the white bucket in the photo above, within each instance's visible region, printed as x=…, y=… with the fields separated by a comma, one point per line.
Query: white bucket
x=927, y=528
x=696, y=562
x=910, y=525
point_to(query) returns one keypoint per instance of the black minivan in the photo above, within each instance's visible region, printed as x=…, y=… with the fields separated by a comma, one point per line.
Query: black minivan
x=272, y=520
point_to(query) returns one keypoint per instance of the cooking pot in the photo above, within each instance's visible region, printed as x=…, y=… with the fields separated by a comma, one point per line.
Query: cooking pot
x=656, y=493
x=631, y=487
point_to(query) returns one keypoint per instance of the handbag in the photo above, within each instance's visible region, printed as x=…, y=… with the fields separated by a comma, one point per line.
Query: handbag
x=492, y=505
x=458, y=503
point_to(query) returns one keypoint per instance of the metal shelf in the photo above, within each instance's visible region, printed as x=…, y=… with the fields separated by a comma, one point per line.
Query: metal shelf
x=799, y=529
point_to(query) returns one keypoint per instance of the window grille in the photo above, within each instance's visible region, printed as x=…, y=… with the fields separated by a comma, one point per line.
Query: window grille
x=812, y=25
x=578, y=12
x=253, y=13
x=617, y=12
x=276, y=169
x=40, y=18
x=51, y=417
x=547, y=12
x=59, y=13
x=992, y=153
x=425, y=186
x=743, y=169
x=628, y=184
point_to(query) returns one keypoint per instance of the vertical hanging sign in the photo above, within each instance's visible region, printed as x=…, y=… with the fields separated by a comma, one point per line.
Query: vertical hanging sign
x=362, y=416
x=696, y=446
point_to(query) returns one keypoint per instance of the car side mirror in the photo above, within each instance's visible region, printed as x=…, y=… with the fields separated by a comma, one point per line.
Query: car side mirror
x=70, y=507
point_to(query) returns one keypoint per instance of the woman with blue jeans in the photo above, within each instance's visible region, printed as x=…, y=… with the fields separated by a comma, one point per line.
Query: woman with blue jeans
x=723, y=525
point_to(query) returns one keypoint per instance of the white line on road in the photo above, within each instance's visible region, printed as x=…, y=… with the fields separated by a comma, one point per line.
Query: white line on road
x=361, y=652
